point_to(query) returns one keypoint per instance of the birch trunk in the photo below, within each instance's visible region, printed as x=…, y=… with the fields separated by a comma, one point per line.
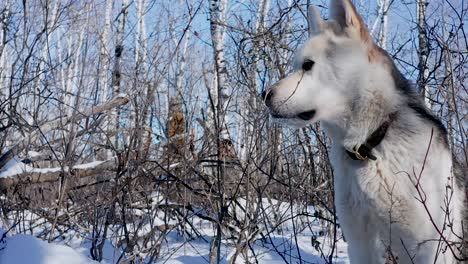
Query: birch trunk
x=423, y=52
x=104, y=52
x=180, y=74
x=217, y=15
x=41, y=68
x=385, y=5
x=3, y=49
x=114, y=117
x=73, y=85
x=448, y=81
x=140, y=40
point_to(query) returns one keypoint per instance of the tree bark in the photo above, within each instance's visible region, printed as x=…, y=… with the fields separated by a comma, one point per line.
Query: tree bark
x=384, y=7
x=114, y=117
x=423, y=52
x=104, y=52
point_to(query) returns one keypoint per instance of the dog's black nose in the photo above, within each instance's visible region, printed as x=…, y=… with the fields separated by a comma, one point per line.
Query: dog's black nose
x=266, y=96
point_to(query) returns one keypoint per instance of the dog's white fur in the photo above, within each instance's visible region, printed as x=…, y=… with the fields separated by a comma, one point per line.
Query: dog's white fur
x=352, y=90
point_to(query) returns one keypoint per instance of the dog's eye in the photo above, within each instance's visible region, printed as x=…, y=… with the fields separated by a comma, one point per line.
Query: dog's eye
x=307, y=65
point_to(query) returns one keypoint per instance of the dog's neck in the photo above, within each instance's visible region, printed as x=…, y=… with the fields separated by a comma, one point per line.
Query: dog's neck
x=371, y=106
x=335, y=130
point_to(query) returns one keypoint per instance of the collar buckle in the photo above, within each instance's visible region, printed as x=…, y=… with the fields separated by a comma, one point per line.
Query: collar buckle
x=363, y=152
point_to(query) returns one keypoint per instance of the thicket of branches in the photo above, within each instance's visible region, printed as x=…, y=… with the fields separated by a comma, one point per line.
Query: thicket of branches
x=121, y=112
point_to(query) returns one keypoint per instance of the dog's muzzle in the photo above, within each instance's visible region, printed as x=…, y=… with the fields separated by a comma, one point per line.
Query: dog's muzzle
x=267, y=95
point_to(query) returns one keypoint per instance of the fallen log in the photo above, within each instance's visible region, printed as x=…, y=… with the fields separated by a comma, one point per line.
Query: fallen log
x=59, y=122
x=53, y=174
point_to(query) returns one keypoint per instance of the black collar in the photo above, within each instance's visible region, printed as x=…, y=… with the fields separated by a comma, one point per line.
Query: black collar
x=364, y=151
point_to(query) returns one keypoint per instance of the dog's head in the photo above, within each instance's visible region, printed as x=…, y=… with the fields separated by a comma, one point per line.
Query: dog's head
x=321, y=86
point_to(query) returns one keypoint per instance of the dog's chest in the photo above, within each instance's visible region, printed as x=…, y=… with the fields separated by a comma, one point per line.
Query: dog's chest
x=368, y=191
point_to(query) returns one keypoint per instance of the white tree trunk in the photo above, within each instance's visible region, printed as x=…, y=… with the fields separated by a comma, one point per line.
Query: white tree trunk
x=217, y=16
x=3, y=49
x=383, y=10
x=180, y=74
x=3, y=26
x=114, y=117
x=140, y=40
x=449, y=82
x=68, y=96
x=104, y=52
x=45, y=54
x=74, y=80
x=423, y=51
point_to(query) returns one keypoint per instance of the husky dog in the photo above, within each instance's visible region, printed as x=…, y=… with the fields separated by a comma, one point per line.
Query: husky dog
x=395, y=195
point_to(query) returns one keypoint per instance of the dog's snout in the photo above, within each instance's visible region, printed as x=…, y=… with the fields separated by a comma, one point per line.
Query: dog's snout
x=266, y=96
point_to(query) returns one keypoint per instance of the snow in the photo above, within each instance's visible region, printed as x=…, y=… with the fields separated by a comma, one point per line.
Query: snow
x=15, y=166
x=26, y=249
x=273, y=251
x=121, y=95
x=279, y=245
x=33, y=154
x=288, y=240
x=88, y=165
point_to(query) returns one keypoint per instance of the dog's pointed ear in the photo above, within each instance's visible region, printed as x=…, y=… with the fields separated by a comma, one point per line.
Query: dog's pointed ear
x=314, y=20
x=344, y=13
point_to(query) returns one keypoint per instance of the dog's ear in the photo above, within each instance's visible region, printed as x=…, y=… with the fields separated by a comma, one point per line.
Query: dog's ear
x=314, y=20
x=344, y=13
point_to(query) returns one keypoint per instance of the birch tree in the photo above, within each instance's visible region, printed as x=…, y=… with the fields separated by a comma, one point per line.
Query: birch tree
x=217, y=17
x=218, y=10
x=104, y=55
x=114, y=117
x=4, y=23
x=384, y=6
x=140, y=40
x=423, y=51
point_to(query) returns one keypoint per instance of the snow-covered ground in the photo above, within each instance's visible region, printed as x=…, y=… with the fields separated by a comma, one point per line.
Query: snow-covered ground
x=27, y=249
x=278, y=249
x=298, y=239
x=287, y=234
